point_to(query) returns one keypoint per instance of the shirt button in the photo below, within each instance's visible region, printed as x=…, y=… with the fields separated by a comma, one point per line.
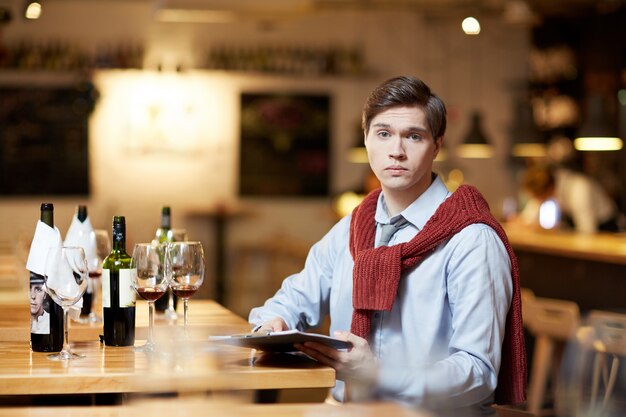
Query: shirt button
x=376, y=315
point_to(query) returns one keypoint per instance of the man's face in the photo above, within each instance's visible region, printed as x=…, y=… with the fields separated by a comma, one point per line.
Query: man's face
x=401, y=150
x=37, y=294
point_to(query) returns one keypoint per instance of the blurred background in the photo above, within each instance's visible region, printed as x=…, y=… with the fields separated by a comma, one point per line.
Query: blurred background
x=244, y=116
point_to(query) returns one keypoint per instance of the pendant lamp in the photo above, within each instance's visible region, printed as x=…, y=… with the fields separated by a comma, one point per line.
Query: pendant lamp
x=475, y=143
x=598, y=132
x=528, y=142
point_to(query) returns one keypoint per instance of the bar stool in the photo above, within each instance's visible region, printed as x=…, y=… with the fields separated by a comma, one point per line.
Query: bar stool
x=608, y=341
x=551, y=322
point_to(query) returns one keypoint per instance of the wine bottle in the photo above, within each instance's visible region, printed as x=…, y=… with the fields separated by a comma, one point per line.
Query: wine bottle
x=81, y=215
x=164, y=235
x=118, y=296
x=46, y=316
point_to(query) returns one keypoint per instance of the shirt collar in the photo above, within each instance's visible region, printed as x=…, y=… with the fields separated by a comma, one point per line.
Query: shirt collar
x=419, y=211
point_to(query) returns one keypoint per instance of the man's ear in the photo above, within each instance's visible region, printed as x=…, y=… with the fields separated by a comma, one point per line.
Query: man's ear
x=438, y=145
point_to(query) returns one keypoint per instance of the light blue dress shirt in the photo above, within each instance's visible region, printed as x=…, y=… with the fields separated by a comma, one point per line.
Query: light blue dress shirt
x=439, y=346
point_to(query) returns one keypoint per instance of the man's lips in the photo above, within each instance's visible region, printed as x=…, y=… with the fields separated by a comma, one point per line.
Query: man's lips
x=395, y=169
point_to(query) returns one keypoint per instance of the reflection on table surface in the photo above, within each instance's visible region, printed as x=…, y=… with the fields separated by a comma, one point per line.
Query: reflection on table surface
x=203, y=408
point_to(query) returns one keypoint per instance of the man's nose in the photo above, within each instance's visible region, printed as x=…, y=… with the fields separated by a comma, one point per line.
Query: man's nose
x=396, y=147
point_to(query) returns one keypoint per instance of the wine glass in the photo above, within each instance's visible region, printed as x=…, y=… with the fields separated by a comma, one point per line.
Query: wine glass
x=186, y=264
x=150, y=279
x=174, y=235
x=66, y=275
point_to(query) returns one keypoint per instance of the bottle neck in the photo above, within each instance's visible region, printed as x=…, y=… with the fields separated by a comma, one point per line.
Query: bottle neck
x=119, y=237
x=81, y=213
x=166, y=223
x=47, y=214
x=166, y=216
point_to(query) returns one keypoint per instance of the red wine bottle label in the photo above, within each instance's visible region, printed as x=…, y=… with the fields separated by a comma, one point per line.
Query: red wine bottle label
x=39, y=306
x=122, y=290
x=128, y=295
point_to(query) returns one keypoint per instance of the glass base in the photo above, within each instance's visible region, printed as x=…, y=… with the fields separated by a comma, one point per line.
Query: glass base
x=65, y=356
x=92, y=318
x=146, y=348
x=170, y=314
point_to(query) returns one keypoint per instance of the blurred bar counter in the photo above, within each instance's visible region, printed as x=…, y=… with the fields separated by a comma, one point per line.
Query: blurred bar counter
x=589, y=269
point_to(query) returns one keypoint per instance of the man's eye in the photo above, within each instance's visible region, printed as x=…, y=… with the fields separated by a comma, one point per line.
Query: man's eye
x=415, y=137
x=383, y=134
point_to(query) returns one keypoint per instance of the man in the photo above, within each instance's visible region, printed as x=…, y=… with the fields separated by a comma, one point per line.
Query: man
x=39, y=317
x=427, y=313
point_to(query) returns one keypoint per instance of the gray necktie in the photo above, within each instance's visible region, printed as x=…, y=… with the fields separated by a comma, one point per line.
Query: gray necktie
x=388, y=230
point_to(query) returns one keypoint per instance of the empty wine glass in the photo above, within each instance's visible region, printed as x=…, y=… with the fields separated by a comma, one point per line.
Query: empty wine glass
x=186, y=264
x=66, y=275
x=150, y=281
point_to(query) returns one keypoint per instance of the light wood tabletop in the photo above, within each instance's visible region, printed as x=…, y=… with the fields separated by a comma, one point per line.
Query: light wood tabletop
x=204, y=408
x=600, y=247
x=181, y=365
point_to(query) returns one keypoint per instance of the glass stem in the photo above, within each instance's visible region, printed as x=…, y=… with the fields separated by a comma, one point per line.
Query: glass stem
x=171, y=299
x=66, y=339
x=185, y=303
x=150, y=321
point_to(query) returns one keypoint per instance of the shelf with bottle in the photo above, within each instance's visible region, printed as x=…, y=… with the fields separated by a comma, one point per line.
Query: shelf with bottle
x=56, y=55
x=287, y=60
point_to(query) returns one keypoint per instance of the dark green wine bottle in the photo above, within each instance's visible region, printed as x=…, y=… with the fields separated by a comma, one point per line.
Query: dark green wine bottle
x=118, y=295
x=164, y=235
x=46, y=316
x=81, y=215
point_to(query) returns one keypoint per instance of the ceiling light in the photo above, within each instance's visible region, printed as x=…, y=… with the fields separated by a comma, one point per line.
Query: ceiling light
x=599, y=132
x=528, y=142
x=32, y=11
x=470, y=26
x=475, y=144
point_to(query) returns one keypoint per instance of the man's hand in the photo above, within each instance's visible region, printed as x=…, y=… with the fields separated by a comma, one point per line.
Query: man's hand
x=277, y=324
x=357, y=363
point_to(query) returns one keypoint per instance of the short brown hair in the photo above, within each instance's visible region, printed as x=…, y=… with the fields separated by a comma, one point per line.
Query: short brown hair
x=406, y=91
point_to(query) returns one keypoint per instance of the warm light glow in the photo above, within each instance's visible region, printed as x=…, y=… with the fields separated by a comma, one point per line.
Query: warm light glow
x=549, y=214
x=346, y=202
x=598, y=144
x=529, y=150
x=471, y=26
x=358, y=155
x=195, y=16
x=33, y=11
x=455, y=179
x=475, y=151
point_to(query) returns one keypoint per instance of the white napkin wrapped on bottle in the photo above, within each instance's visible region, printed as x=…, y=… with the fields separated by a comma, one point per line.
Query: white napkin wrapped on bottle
x=45, y=237
x=81, y=234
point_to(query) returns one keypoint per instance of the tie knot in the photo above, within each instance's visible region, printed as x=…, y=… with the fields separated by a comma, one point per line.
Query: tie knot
x=388, y=230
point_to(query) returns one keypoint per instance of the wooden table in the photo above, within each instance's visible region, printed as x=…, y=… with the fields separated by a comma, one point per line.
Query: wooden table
x=203, y=408
x=182, y=366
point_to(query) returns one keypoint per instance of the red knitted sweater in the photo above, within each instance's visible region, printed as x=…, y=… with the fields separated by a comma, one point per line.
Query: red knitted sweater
x=377, y=272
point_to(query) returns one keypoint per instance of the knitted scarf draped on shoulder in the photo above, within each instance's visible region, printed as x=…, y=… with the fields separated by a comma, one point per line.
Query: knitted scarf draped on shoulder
x=377, y=272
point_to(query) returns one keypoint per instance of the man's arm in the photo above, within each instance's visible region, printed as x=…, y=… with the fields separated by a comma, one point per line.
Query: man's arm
x=303, y=299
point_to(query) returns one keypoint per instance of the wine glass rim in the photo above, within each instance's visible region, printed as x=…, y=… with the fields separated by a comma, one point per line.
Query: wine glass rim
x=66, y=247
x=186, y=242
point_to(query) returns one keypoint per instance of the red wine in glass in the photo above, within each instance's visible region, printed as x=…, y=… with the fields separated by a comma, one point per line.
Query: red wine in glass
x=185, y=291
x=151, y=294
